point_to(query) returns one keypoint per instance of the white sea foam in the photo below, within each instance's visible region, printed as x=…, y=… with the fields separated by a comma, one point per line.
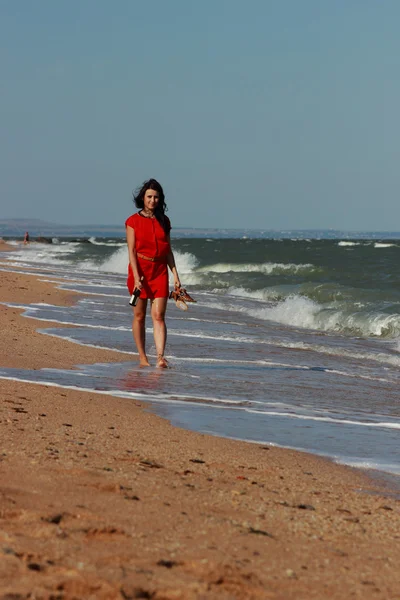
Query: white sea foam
x=358, y=376
x=205, y=336
x=51, y=254
x=178, y=359
x=118, y=262
x=62, y=255
x=109, y=243
x=296, y=311
x=381, y=245
x=369, y=465
x=153, y=397
x=185, y=261
x=70, y=288
x=299, y=311
x=73, y=340
x=342, y=243
x=30, y=310
x=264, y=295
x=175, y=317
x=379, y=357
x=292, y=415
x=62, y=282
x=266, y=268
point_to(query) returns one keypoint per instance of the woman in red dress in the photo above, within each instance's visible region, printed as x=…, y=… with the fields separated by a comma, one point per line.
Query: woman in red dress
x=150, y=255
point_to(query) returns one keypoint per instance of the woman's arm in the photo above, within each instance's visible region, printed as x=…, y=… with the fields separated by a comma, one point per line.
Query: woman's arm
x=130, y=238
x=172, y=265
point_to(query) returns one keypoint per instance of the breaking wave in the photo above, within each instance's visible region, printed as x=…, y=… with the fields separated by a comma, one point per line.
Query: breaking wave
x=298, y=311
x=266, y=268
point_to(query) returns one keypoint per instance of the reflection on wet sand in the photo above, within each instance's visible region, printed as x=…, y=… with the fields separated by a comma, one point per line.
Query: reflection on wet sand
x=138, y=379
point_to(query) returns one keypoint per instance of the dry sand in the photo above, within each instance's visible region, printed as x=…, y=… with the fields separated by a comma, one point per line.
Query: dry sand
x=101, y=499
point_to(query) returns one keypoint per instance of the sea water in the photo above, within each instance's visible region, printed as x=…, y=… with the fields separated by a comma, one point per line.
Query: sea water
x=293, y=342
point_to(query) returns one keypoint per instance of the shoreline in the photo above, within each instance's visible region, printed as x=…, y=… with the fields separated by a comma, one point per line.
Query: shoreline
x=86, y=354
x=101, y=497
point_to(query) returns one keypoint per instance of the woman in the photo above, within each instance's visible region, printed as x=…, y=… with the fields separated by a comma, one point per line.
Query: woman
x=149, y=247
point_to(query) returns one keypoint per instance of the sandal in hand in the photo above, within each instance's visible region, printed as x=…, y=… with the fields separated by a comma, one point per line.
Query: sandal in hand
x=181, y=296
x=185, y=296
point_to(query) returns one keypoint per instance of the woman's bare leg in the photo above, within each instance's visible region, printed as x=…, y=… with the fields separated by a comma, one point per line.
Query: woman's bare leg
x=139, y=330
x=158, y=308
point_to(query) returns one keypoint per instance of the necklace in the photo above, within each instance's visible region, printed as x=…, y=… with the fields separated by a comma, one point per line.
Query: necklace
x=148, y=215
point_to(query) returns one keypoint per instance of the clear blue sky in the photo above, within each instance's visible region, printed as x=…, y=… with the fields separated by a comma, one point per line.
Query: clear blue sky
x=251, y=113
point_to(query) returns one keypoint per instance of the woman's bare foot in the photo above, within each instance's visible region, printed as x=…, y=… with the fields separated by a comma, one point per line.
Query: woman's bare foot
x=162, y=363
x=143, y=362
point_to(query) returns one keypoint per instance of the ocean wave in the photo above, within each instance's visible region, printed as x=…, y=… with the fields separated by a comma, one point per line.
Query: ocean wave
x=118, y=262
x=342, y=243
x=190, y=279
x=266, y=268
x=298, y=311
x=185, y=262
x=66, y=253
x=321, y=293
x=264, y=295
x=41, y=253
x=109, y=243
x=381, y=245
x=46, y=263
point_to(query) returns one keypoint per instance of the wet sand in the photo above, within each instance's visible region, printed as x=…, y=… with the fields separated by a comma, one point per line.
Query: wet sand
x=100, y=498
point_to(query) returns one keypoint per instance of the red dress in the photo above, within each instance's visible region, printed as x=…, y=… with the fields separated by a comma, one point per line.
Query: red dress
x=152, y=241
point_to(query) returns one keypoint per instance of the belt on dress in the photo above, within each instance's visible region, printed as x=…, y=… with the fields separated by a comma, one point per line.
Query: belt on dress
x=152, y=258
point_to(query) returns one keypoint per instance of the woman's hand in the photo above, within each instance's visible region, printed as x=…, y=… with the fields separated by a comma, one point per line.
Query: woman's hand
x=138, y=283
x=177, y=282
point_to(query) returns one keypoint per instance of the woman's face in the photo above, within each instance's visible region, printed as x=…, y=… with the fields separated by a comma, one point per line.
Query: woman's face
x=151, y=200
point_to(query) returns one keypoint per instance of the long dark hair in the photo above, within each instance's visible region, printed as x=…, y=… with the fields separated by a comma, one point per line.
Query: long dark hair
x=159, y=213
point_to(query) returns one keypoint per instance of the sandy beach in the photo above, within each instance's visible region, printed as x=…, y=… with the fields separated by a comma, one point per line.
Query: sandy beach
x=100, y=498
